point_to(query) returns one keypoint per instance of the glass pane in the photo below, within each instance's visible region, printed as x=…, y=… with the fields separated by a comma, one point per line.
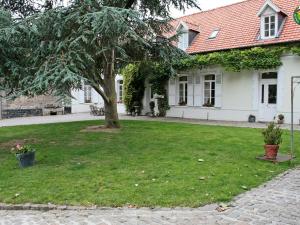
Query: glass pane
x=210, y=77
x=213, y=93
x=262, y=93
x=272, y=95
x=272, y=19
x=272, y=26
x=266, y=26
x=272, y=33
x=184, y=78
x=267, y=20
x=206, y=93
x=212, y=101
x=213, y=85
x=271, y=75
x=266, y=33
x=206, y=85
x=121, y=81
x=206, y=101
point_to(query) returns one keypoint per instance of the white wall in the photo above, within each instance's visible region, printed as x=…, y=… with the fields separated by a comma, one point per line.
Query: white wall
x=78, y=105
x=237, y=95
x=240, y=94
x=290, y=67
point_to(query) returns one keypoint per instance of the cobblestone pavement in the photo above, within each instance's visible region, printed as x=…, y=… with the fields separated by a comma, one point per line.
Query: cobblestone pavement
x=87, y=116
x=276, y=202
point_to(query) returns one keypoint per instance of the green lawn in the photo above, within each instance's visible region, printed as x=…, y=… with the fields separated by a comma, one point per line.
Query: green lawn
x=145, y=164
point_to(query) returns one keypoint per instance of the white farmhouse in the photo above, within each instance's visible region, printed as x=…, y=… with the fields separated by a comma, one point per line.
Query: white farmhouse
x=214, y=93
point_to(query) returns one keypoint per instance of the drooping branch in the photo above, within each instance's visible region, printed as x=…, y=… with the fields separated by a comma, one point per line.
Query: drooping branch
x=100, y=92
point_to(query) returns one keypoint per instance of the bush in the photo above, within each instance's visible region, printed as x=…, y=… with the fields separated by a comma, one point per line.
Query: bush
x=272, y=135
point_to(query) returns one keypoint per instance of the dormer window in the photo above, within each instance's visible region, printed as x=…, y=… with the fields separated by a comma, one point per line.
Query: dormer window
x=269, y=26
x=272, y=20
x=183, y=40
x=186, y=36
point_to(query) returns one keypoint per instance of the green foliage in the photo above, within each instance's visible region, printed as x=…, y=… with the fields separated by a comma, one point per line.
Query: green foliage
x=158, y=78
x=58, y=48
x=272, y=135
x=134, y=86
x=236, y=60
x=135, y=76
x=22, y=149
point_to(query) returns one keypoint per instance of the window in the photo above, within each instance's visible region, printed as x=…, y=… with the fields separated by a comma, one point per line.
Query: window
x=183, y=90
x=272, y=94
x=87, y=93
x=209, y=90
x=120, y=91
x=270, y=75
x=269, y=26
x=214, y=34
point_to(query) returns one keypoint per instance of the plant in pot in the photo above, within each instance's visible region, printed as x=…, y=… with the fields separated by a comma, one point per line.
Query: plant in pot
x=280, y=119
x=273, y=138
x=25, y=155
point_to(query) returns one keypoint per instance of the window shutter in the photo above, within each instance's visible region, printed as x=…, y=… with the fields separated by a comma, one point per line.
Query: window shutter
x=198, y=91
x=172, y=91
x=190, y=91
x=218, y=94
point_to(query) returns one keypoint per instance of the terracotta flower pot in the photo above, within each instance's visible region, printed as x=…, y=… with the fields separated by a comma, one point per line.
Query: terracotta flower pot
x=271, y=151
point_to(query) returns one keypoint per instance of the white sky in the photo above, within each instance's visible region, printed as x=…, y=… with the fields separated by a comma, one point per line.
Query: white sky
x=204, y=5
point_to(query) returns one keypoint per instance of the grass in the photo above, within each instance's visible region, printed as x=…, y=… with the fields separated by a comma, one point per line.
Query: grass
x=145, y=164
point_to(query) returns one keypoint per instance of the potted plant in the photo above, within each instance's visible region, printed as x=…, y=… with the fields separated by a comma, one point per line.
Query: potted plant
x=25, y=155
x=273, y=138
x=280, y=119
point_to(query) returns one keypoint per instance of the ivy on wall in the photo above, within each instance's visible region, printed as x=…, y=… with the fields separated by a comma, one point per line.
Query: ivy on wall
x=134, y=86
x=235, y=60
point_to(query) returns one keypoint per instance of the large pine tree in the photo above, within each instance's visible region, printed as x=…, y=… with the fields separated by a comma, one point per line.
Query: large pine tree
x=86, y=41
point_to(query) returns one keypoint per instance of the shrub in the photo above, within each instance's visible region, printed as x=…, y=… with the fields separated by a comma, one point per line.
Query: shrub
x=272, y=135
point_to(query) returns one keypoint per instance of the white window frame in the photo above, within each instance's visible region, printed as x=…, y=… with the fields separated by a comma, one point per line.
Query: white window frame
x=210, y=90
x=87, y=92
x=263, y=24
x=184, y=91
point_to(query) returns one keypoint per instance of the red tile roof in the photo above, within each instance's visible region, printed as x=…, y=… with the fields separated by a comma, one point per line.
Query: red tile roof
x=239, y=26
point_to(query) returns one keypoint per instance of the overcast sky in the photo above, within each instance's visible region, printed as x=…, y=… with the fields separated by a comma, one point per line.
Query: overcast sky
x=204, y=5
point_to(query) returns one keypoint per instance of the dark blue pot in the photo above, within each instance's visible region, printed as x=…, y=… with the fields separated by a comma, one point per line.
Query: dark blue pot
x=26, y=159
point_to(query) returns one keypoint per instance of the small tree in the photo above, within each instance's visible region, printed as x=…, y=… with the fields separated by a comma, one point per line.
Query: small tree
x=90, y=41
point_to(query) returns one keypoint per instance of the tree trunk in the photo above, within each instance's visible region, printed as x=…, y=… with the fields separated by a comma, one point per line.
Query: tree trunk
x=111, y=112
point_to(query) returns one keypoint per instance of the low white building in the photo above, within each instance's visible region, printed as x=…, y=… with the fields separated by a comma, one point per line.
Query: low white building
x=83, y=99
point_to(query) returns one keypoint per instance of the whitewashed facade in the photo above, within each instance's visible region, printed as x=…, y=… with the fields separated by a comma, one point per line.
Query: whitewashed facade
x=82, y=99
x=236, y=95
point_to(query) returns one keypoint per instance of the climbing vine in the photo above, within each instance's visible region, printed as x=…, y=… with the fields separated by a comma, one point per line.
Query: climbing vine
x=134, y=86
x=235, y=60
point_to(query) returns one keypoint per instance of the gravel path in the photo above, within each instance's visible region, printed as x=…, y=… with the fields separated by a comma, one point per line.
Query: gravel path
x=277, y=202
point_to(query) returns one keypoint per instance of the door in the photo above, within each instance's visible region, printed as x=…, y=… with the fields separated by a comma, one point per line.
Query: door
x=268, y=97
